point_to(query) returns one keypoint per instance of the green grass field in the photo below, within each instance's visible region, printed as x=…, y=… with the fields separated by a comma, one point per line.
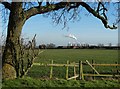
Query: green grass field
x=73, y=55
x=38, y=77
x=30, y=83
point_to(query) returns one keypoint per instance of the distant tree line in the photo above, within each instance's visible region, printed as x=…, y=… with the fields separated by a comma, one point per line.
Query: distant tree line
x=80, y=46
x=48, y=46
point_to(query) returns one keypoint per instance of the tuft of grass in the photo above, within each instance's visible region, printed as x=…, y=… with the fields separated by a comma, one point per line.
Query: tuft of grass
x=30, y=82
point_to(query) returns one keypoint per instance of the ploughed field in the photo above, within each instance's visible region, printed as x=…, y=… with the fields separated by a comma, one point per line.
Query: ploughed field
x=61, y=56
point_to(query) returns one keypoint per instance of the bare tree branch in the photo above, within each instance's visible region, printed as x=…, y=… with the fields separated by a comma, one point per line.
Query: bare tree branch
x=44, y=9
x=6, y=4
x=40, y=3
x=103, y=19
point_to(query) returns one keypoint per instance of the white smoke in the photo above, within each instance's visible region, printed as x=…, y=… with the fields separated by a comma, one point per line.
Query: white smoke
x=71, y=36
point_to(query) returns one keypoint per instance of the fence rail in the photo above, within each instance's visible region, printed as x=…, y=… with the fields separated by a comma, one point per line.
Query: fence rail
x=80, y=65
x=102, y=75
x=72, y=65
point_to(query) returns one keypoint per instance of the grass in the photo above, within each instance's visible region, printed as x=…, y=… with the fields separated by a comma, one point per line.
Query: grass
x=73, y=55
x=38, y=77
x=30, y=82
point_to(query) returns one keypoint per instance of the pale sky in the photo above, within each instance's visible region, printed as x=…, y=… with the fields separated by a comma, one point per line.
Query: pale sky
x=88, y=30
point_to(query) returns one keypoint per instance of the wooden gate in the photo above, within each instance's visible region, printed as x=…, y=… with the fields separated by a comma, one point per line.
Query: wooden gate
x=81, y=73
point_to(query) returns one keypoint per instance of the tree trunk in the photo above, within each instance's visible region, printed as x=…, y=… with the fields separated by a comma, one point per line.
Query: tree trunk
x=10, y=58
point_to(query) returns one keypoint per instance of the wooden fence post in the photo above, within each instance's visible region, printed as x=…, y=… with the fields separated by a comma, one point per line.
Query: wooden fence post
x=67, y=70
x=117, y=68
x=74, y=70
x=81, y=69
x=51, y=70
x=81, y=77
x=93, y=70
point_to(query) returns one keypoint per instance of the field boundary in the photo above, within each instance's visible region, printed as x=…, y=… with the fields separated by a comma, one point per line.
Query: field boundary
x=80, y=65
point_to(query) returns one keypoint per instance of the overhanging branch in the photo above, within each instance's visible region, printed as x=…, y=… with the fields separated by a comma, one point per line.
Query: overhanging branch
x=44, y=9
x=96, y=14
x=52, y=7
x=6, y=4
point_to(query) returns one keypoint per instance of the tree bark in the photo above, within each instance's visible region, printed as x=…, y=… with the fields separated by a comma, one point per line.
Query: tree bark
x=10, y=59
